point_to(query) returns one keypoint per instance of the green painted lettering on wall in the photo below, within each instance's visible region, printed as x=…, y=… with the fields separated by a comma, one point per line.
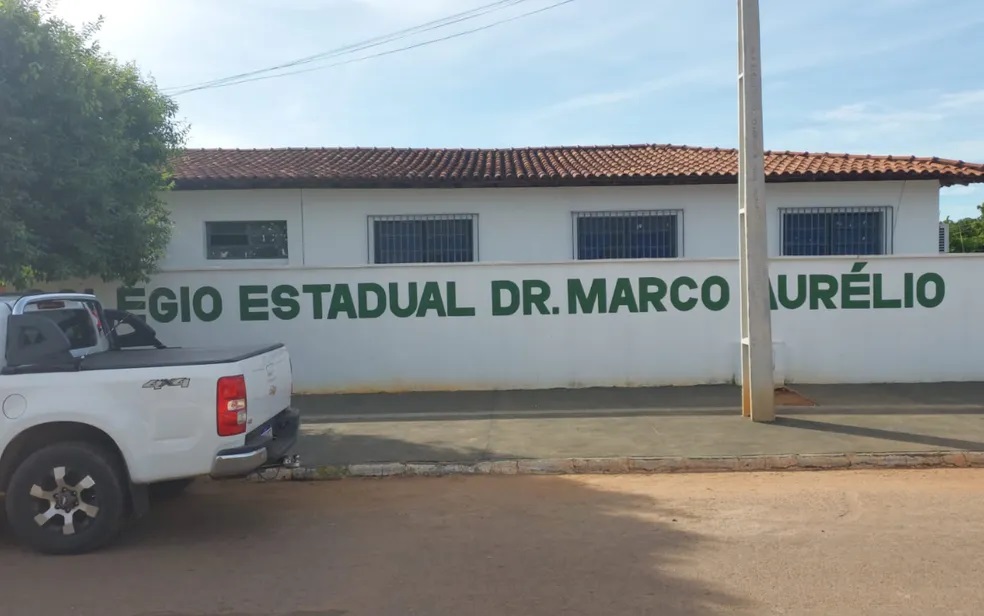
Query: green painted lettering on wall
x=791, y=303
x=856, y=289
x=185, y=303
x=163, y=305
x=131, y=300
x=505, y=298
x=198, y=304
x=372, y=300
x=317, y=293
x=623, y=295
x=715, y=286
x=535, y=295
x=652, y=292
x=410, y=308
x=922, y=290
x=253, y=302
x=823, y=289
x=454, y=310
x=589, y=301
x=648, y=293
x=678, y=298
x=879, y=300
x=342, y=302
x=285, y=304
x=431, y=299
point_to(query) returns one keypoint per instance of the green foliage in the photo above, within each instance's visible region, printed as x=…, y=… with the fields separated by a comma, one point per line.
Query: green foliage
x=84, y=148
x=967, y=234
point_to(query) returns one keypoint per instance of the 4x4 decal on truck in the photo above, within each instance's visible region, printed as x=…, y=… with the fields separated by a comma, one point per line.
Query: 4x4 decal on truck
x=159, y=384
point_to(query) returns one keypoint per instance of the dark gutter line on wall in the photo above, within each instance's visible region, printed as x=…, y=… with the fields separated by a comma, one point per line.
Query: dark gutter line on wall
x=226, y=183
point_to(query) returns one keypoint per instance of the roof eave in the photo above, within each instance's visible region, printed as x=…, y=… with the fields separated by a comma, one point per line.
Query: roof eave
x=254, y=183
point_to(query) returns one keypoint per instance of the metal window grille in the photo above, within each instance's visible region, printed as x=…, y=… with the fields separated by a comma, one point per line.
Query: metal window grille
x=246, y=239
x=944, y=237
x=438, y=238
x=836, y=231
x=644, y=234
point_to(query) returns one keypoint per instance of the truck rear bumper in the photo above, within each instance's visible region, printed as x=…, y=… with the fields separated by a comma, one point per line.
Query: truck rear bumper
x=228, y=465
x=266, y=446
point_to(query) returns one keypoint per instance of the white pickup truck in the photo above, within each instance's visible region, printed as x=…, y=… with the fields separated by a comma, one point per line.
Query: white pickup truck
x=96, y=413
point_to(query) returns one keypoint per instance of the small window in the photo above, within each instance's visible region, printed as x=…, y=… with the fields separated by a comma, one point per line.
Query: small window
x=253, y=239
x=647, y=234
x=78, y=321
x=449, y=238
x=836, y=231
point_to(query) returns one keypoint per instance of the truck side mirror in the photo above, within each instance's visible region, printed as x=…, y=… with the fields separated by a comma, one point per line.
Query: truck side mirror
x=142, y=335
x=33, y=339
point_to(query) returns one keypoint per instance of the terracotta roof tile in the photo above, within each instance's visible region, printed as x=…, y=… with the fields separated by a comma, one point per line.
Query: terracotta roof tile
x=548, y=166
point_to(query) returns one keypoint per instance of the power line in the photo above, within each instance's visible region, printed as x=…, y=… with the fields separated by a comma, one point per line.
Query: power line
x=365, y=44
x=247, y=78
x=372, y=42
x=376, y=55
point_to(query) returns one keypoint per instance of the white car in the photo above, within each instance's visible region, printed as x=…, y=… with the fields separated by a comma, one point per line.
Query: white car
x=96, y=413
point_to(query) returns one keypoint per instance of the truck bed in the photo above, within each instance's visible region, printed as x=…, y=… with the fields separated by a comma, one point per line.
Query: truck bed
x=160, y=358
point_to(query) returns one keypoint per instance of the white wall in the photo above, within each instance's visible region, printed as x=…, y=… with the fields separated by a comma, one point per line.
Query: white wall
x=191, y=209
x=899, y=340
x=531, y=225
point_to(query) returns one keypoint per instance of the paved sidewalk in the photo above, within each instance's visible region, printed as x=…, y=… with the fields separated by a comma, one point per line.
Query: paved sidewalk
x=699, y=421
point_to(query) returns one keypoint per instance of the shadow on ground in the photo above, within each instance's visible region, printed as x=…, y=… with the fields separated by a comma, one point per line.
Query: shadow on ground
x=895, y=436
x=331, y=447
x=462, y=545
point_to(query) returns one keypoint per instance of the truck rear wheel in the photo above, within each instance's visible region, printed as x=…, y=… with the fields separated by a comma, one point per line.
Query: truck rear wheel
x=66, y=498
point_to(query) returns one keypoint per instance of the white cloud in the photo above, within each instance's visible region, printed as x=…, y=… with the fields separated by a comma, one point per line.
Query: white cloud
x=77, y=12
x=205, y=136
x=970, y=100
x=702, y=76
x=962, y=191
x=575, y=72
x=122, y=16
x=418, y=9
x=877, y=118
x=968, y=150
x=798, y=57
x=935, y=122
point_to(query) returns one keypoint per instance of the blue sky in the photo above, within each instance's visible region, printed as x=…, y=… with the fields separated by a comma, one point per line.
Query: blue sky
x=860, y=76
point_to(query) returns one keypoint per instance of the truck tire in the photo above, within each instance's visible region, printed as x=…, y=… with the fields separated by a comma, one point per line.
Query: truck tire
x=66, y=498
x=166, y=490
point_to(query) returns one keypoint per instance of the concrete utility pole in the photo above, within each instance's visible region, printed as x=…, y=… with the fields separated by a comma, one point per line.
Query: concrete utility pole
x=757, y=386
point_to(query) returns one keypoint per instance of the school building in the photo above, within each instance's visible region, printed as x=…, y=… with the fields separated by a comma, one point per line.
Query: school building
x=389, y=269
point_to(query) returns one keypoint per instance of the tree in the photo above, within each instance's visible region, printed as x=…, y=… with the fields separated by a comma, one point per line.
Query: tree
x=84, y=148
x=967, y=234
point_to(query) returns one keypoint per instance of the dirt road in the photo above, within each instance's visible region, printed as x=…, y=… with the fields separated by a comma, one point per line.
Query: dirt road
x=902, y=542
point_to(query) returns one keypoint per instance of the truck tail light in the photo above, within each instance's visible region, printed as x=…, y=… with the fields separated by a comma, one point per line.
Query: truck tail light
x=230, y=405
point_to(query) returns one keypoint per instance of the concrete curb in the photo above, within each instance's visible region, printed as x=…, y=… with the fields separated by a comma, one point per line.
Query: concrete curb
x=622, y=465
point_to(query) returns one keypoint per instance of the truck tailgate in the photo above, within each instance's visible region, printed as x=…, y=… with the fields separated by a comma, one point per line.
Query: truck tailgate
x=268, y=385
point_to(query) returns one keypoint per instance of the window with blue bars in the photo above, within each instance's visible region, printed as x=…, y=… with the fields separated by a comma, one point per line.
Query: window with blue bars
x=647, y=234
x=836, y=231
x=448, y=238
